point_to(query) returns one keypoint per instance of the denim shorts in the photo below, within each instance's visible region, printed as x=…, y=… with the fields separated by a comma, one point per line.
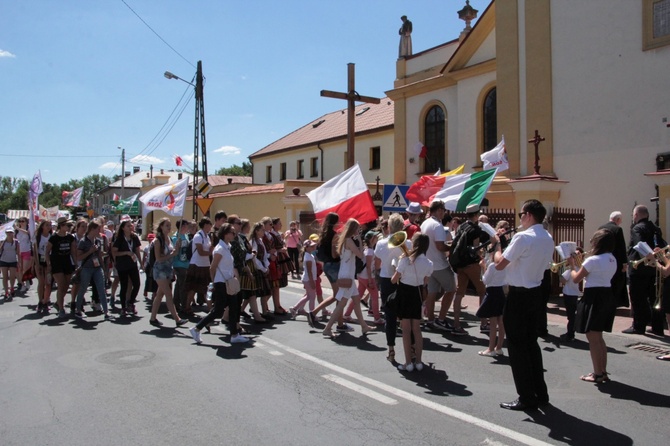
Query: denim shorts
x=162, y=270
x=331, y=270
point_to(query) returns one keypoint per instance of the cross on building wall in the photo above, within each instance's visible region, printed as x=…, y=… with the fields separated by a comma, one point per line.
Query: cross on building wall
x=351, y=96
x=537, y=139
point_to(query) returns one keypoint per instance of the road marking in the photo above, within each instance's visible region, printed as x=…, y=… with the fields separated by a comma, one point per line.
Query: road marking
x=268, y=349
x=360, y=389
x=453, y=413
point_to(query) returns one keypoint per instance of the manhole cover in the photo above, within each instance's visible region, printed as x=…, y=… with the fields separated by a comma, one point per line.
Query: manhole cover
x=127, y=358
x=651, y=348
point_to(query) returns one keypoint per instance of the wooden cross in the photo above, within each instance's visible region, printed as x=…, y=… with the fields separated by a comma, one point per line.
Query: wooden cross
x=351, y=97
x=537, y=139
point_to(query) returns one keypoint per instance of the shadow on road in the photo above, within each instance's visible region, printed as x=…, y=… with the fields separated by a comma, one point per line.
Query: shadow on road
x=622, y=391
x=436, y=382
x=571, y=430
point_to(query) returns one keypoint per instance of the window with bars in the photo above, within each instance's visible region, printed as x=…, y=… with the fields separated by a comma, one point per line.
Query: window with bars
x=434, y=140
x=655, y=23
x=489, y=121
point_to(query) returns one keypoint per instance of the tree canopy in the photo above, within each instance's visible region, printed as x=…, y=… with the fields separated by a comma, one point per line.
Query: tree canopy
x=236, y=171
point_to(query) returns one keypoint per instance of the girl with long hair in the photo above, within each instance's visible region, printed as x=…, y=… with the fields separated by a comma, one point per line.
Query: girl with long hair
x=10, y=262
x=412, y=273
x=42, y=235
x=89, y=253
x=126, y=252
x=262, y=264
x=348, y=250
x=596, y=308
x=60, y=251
x=162, y=272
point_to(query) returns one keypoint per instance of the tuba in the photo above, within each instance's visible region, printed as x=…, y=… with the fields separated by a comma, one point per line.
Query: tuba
x=398, y=240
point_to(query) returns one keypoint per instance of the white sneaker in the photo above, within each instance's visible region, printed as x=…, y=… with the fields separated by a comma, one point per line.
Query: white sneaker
x=418, y=366
x=238, y=339
x=196, y=335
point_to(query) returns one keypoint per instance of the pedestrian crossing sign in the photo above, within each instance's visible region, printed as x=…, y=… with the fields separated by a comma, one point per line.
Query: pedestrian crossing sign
x=394, y=197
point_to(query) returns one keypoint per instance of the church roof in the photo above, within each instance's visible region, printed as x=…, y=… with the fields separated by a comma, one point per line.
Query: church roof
x=333, y=126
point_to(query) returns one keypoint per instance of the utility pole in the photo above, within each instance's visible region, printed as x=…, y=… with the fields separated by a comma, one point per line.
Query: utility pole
x=199, y=135
x=123, y=171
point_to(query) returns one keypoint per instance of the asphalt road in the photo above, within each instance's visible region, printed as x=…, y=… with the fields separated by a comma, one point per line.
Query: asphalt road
x=126, y=382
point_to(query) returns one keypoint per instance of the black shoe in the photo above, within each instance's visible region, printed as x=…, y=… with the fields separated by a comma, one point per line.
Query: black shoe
x=632, y=330
x=310, y=319
x=655, y=332
x=518, y=405
x=181, y=322
x=155, y=322
x=567, y=338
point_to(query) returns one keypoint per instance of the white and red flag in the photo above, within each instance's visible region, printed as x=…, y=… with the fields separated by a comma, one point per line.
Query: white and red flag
x=115, y=197
x=169, y=198
x=73, y=198
x=496, y=158
x=420, y=151
x=428, y=185
x=347, y=195
x=34, y=192
x=178, y=160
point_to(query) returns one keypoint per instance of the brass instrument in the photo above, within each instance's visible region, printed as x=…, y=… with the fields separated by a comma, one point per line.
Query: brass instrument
x=579, y=258
x=660, y=256
x=398, y=240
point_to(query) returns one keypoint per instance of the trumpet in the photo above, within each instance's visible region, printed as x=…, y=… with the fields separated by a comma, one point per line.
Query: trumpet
x=659, y=256
x=398, y=240
x=579, y=258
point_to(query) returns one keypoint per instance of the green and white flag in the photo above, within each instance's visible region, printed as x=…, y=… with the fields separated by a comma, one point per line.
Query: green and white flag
x=126, y=204
x=460, y=191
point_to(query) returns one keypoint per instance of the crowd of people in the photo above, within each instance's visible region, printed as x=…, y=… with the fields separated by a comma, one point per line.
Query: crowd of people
x=398, y=267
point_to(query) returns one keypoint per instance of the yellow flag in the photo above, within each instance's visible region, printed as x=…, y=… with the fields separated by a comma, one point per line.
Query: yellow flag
x=456, y=171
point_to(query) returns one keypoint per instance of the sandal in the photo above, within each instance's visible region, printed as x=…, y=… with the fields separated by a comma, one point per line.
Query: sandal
x=391, y=355
x=280, y=312
x=592, y=378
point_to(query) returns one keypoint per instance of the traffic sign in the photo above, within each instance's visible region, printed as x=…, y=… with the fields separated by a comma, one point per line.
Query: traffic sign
x=394, y=197
x=204, y=188
x=204, y=204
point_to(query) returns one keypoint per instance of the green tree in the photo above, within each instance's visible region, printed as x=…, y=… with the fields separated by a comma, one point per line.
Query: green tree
x=236, y=171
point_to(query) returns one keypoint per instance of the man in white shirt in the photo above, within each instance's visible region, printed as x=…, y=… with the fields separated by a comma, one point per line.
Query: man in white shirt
x=197, y=276
x=442, y=279
x=524, y=261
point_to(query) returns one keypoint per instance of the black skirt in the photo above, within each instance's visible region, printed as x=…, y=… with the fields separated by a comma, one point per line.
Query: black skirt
x=409, y=301
x=595, y=310
x=493, y=303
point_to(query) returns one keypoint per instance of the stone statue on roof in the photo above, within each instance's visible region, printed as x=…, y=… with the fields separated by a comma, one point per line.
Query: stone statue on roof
x=405, y=48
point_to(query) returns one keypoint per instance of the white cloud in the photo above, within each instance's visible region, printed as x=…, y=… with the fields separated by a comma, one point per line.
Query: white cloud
x=228, y=150
x=187, y=157
x=109, y=165
x=146, y=159
x=5, y=53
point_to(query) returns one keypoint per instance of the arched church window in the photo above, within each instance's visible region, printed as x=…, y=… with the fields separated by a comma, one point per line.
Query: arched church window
x=434, y=140
x=490, y=121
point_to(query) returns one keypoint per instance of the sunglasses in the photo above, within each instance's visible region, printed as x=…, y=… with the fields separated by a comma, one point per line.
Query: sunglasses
x=521, y=214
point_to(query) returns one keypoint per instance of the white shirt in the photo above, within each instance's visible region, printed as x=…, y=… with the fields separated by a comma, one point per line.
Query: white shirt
x=368, y=252
x=413, y=274
x=224, y=270
x=529, y=254
x=200, y=239
x=570, y=288
x=308, y=257
x=387, y=255
x=435, y=232
x=493, y=277
x=601, y=268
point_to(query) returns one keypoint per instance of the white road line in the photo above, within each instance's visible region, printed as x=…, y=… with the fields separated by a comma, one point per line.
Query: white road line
x=360, y=389
x=453, y=413
x=268, y=349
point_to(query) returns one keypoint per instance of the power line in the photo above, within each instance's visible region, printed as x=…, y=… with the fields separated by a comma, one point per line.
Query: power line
x=158, y=35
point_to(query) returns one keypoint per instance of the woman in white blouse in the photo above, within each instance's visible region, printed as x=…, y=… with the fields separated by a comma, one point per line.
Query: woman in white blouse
x=412, y=273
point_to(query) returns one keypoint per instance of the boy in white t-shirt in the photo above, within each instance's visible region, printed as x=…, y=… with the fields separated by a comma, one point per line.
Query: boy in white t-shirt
x=308, y=281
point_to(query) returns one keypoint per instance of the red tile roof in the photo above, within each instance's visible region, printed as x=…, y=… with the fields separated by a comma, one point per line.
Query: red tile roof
x=252, y=190
x=219, y=180
x=333, y=126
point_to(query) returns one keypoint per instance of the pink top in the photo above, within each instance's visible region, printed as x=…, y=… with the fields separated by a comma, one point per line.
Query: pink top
x=293, y=239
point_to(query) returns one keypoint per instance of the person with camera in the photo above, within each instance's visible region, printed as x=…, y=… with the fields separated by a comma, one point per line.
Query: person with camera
x=293, y=239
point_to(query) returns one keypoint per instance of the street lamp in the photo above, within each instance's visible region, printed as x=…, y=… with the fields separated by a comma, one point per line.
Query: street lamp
x=199, y=139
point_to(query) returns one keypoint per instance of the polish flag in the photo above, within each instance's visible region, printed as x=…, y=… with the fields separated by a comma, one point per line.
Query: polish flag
x=115, y=197
x=178, y=160
x=347, y=195
x=420, y=150
x=429, y=185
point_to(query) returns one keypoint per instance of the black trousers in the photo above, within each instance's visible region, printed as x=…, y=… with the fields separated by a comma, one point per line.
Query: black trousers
x=294, y=255
x=520, y=318
x=221, y=301
x=642, y=298
x=386, y=288
x=570, y=312
x=134, y=276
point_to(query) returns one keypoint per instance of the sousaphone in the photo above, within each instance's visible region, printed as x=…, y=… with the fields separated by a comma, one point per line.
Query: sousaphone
x=398, y=240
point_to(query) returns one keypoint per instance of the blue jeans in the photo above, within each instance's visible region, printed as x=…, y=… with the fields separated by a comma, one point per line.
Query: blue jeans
x=98, y=278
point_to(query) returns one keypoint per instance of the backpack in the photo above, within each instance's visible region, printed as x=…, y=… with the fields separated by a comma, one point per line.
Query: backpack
x=152, y=252
x=189, y=249
x=461, y=255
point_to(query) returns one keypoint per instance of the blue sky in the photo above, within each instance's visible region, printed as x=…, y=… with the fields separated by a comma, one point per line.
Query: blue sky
x=81, y=78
